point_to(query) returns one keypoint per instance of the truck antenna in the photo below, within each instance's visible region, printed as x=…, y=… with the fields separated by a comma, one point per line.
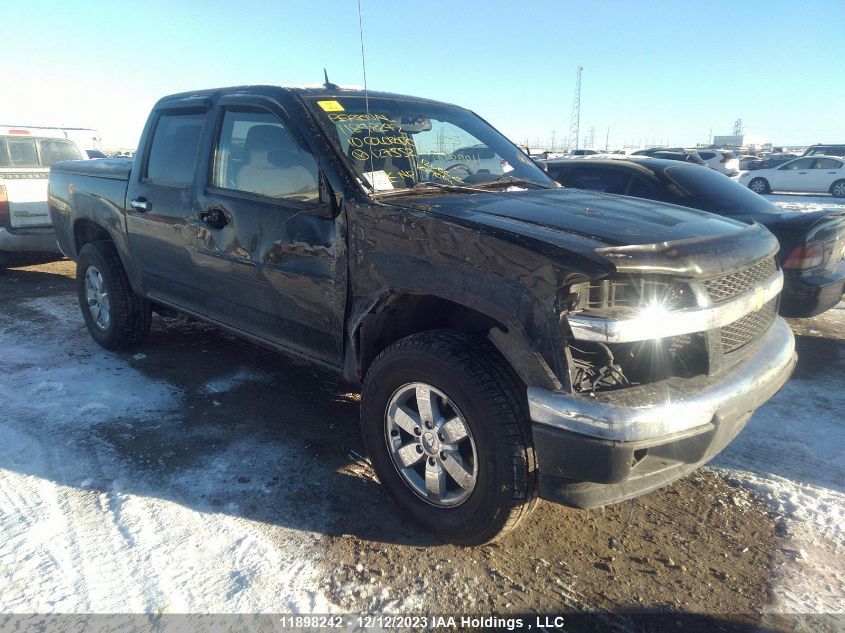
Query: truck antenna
x=366, y=93
x=328, y=85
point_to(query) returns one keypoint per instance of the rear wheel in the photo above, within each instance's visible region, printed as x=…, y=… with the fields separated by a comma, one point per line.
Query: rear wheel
x=446, y=427
x=759, y=185
x=838, y=189
x=116, y=317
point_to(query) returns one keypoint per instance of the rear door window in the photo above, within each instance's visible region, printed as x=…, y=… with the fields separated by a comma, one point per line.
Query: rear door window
x=639, y=188
x=802, y=163
x=22, y=152
x=597, y=179
x=709, y=190
x=54, y=150
x=173, y=152
x=827, y=163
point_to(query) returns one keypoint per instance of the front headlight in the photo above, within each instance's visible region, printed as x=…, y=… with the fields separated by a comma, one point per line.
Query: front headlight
x=631, y=296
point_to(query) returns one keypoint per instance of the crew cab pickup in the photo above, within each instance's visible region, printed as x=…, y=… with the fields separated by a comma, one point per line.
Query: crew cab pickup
x=511, y=338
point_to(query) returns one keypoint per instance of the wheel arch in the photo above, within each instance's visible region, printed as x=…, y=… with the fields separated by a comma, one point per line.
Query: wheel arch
x=399, y=314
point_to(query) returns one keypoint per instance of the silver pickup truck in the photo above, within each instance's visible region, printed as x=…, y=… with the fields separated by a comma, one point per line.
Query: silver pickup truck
x=25, y=160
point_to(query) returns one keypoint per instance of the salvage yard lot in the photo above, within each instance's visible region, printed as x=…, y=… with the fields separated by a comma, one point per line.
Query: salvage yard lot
x=202, y=473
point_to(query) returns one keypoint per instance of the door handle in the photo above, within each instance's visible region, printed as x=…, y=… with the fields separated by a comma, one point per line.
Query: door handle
x=214, y=218
x=141, y=205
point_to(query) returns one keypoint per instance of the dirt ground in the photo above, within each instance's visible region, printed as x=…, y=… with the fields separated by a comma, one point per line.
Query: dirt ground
x=702, y=546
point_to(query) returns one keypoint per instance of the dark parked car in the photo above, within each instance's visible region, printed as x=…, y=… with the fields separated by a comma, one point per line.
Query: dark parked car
x=672, y=153
x=770, y=161
x=812, y=244
x=826, y=150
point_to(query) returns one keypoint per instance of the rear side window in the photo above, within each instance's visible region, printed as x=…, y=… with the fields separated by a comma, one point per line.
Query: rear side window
x=827, y=163
x=596, y=179
x=641, y=189
x=706, y=155
x=22, y=152
x=54, y=150
x=709, y=190
x=173, y=152
x=802, y=163
x=36, y=152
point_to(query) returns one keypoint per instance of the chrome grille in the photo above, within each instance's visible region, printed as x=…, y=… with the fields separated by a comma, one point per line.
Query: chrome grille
x=748, y=328
x=728, y=286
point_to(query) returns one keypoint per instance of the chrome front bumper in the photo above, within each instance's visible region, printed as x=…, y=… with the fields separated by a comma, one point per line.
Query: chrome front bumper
x=674, y=407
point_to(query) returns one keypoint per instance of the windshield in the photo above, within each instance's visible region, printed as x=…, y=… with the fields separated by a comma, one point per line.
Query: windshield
x=709, y=190
x=394, y=144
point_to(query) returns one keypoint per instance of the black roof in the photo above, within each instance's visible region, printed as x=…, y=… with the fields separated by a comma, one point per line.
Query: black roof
x=641, y=163
x=311, y=91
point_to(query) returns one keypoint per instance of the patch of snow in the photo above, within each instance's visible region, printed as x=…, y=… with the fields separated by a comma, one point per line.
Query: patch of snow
x=242, y=376
x=792, y=454
x=86, y=528
x=801, y=202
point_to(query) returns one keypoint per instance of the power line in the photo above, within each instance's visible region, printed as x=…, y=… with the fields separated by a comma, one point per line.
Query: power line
x=575, y=121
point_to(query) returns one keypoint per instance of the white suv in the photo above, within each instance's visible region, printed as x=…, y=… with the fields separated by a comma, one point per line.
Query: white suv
x=25, y=161
x=721, y=160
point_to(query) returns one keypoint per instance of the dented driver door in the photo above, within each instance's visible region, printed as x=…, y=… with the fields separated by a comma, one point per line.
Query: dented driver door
x=271, y=254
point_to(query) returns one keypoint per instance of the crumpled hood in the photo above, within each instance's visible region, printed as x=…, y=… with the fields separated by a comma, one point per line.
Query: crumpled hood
x=593, y=219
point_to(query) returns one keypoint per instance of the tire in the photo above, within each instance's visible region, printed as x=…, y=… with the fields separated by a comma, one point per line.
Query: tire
x=120, y=319
x=759, y=185
x=838, y=189
x=468, y=382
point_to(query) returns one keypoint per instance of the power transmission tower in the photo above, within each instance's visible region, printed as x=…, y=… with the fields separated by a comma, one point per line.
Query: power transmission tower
x=591, y=138
x=575, y=121
x=738, y=127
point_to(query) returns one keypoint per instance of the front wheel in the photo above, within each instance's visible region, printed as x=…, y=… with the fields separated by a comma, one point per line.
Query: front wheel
x=838, y=189
x=759, y=185
x=116, y=317
x=446, y=428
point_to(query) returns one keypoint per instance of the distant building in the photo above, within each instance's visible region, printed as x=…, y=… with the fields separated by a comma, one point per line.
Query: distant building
x=729, y=140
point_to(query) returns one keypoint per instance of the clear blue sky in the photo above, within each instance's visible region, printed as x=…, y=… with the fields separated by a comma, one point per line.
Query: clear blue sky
x=652, y=70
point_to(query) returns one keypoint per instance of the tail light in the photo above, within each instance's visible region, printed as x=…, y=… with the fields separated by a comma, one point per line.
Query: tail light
x=804, y=257
x=5, y=212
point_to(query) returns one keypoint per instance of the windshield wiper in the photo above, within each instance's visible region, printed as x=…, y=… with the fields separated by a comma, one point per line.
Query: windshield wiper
x=435, y=186
x=505, y=179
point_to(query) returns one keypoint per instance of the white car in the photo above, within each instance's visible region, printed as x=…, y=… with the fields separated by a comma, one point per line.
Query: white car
x=721, y=160
x=25, y=160
x=808, y=174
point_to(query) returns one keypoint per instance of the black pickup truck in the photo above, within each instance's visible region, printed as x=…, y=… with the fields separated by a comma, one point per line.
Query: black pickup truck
x=512, y=338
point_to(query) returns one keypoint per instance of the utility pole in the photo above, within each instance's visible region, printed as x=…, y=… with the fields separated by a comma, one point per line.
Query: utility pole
x=575, y=120
x=607, y=140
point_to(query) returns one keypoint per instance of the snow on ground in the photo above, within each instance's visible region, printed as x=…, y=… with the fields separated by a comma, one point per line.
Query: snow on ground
x=792, y=454
x=75, y=538
x=803, y=202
